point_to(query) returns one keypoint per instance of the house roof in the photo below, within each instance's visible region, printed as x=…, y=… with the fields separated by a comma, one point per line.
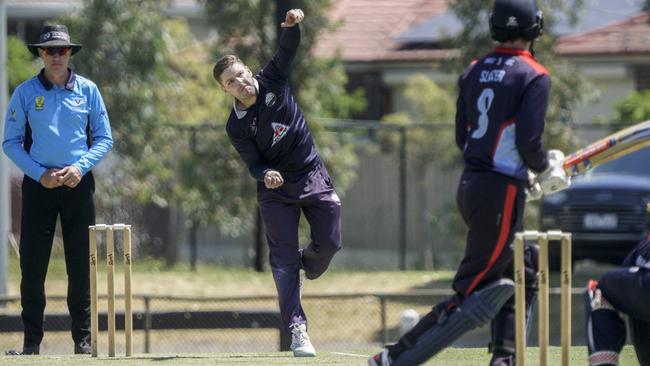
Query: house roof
x=381, y=30
x=42, y=9
x=630, y=36
x=370, y=30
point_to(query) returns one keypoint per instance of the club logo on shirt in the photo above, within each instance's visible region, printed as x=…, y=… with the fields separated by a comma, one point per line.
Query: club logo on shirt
x=279, y=131
x=39, y=102
x=270, y=99
x=12, y=115
x=78, y=101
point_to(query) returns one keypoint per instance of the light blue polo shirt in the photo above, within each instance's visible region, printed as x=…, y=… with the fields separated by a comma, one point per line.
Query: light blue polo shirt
x=58, y=118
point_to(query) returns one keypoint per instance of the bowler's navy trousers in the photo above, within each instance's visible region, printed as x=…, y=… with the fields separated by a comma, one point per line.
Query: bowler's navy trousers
x=314, y=195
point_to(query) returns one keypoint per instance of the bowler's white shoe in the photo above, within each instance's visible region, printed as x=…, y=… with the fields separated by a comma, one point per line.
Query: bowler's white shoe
x=300, y=343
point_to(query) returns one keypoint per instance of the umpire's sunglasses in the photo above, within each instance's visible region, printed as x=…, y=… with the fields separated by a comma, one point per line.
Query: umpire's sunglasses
x=61, y=51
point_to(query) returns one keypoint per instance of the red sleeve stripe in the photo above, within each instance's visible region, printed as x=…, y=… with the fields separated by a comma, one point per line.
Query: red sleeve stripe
x=504, y=233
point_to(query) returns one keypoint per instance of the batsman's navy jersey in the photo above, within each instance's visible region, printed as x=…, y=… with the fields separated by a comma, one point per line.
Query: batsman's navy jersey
x=273, y=133
x=500, y=113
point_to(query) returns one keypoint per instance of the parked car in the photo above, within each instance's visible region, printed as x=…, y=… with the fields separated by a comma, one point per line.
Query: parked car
x=605, y=209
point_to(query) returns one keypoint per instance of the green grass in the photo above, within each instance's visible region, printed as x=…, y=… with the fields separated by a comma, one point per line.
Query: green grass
x=452, y=356
x=153, y=277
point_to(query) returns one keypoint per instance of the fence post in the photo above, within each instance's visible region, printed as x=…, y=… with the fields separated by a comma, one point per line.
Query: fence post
x=384, y=330
x=258, y=238
x=147, y=325
x=402, y=199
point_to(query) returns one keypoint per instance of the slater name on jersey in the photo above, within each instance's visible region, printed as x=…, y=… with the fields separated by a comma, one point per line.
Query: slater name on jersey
x=492, y=76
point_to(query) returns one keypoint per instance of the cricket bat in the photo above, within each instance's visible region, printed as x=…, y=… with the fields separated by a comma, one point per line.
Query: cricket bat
x=614, y=146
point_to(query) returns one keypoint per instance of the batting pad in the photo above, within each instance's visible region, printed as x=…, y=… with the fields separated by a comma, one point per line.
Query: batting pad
x=475, y=311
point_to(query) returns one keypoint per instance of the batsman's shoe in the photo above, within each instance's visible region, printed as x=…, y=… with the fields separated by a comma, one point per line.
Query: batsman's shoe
x=300, y=343
x=380, y=359
x=82, y=348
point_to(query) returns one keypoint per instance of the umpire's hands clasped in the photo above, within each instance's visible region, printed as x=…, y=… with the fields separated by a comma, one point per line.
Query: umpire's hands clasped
x=69, y=176
x=294, y=16
x=273, y=179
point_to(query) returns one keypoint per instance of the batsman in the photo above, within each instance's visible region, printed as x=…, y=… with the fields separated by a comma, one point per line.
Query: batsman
x=271, y=135
x=500, y=115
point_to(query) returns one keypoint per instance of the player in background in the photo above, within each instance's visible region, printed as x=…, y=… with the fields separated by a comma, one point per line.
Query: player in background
x=625, y=290
x=500, y=115
x=271, y=135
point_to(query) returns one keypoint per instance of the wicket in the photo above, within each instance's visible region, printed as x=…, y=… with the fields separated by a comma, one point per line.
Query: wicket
x=128, y=313
x=543, y=239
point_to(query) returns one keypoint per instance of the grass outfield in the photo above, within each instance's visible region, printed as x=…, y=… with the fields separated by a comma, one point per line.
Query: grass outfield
x=452, y=356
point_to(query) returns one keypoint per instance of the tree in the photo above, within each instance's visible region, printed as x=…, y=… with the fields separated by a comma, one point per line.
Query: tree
x=428, y=105
x=20, y=63
x=631, y=109
x=431, y=143
x=151, y=86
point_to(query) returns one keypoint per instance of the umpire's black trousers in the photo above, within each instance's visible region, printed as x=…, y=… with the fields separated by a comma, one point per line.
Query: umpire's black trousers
x=40, y=208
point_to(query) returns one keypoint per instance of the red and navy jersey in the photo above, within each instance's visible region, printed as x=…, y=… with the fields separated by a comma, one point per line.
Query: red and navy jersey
x=500, y=113
x=273, y=133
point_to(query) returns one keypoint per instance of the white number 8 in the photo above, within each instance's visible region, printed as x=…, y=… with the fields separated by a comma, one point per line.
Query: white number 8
x=483, y=104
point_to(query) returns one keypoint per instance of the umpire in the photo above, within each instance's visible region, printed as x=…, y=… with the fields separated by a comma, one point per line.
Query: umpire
x=56, y=131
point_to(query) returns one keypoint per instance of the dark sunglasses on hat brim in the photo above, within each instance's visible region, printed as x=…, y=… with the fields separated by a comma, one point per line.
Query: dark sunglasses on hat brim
x=61, y=51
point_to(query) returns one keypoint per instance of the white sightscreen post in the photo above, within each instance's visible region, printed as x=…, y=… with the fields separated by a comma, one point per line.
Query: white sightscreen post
x=5, y=204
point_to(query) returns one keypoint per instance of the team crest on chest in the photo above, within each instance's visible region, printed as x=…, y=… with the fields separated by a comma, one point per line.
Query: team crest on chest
x=270, y=99
x=78, y=101
x=39, y=103
x=279, y=131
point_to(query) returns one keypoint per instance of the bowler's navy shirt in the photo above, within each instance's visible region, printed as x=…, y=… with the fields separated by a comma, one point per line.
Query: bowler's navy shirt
x=272, y=134
x=500, y=113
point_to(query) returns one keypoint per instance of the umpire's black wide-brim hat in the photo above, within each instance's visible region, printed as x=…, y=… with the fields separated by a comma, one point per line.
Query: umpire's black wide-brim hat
x=53, y=36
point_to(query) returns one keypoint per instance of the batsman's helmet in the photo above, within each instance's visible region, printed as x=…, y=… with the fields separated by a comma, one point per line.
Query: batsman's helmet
x=512, y=19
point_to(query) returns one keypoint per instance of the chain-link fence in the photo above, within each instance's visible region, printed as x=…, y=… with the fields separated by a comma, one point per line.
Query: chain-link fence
x=252, y=324
x=399, y=209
